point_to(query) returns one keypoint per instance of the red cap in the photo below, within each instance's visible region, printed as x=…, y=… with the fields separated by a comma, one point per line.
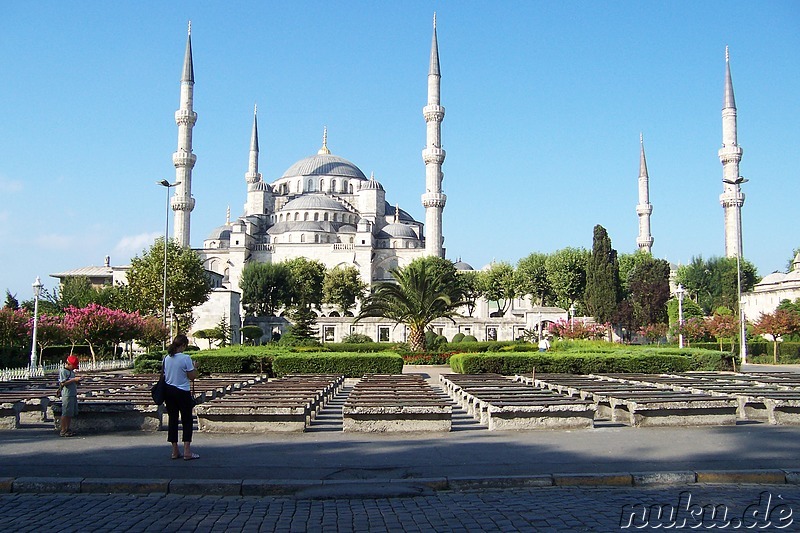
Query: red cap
x=72, y=360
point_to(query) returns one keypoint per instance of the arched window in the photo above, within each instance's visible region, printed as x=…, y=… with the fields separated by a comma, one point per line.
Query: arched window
x=316, y=238
x=305, y=216
x=310, y=185
x=316, y=216
x=351, y=240
x=325, y=217
x=289, y=240
x=302, y=237
x=333, y=185
x=297, y=216
x=321, y=185
x=299, y=186
x=351, y=188
x=344, y=186
x=334, y=217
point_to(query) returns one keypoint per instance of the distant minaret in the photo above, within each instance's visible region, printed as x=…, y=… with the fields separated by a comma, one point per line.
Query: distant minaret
x=258, y=192
x=730, y=154
x=433, y=200
x=183, y=159
x=644, y=208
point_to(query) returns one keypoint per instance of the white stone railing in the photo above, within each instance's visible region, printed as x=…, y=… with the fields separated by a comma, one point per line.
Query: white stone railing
x=9, y=374
x=343, y=246
x=263, y=247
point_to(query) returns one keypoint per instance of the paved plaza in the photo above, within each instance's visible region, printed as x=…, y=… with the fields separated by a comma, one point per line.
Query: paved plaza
x=469, y=479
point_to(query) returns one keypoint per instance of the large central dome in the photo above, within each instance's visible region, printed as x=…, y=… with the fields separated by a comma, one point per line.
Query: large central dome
x=324, y=165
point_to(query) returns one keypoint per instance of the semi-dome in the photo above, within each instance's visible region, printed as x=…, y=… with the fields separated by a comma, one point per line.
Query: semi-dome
x=461, y=265
x=399, y=231
x=775, y=277
x=324, y=165
x=313, y=201
x=221, y=233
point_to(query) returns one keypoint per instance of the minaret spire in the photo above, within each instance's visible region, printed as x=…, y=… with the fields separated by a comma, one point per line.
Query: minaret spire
x=183, y=159
x=644, y=207
x=258, y=192
x=732, y=198
x=433, y=200
x=324, y=149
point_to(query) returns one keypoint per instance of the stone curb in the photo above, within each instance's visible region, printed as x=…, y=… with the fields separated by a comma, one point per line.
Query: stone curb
x=284, y=487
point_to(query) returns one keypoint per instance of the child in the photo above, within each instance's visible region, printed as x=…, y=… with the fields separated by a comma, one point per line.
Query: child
x=68, y=383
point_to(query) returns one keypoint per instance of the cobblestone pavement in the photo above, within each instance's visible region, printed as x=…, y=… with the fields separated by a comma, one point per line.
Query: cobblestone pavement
x=760, y=507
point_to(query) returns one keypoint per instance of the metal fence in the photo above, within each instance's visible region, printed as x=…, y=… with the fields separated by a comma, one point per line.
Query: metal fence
x=9, y=374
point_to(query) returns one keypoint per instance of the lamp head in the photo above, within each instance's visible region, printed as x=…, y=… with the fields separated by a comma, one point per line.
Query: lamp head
x=37, y=287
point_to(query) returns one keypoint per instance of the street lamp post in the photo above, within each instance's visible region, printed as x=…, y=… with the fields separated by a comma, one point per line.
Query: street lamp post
x=167, y=185
x=37, y=289
x=171, y=319
x=680, y=292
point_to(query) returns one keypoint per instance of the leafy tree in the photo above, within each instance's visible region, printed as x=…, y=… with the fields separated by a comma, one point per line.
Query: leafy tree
x=252, y=333
x=266, y=287
x=152, y=332
x=77, y=292
x=602, y=278
x=100, y=326
x=50, y=331
x=714, y=282
x=648, y=286
x=566, y=272
x=723, y=326
x=420, y=294
x=577, y=329
x=498, y=285
x=222, y=332
x=694, y=328
x=11, y=301
x=187, y=283
x=777, y=324
x=627, y=264
x=468, y=280
x=13, y=326
x=306, y=277
x=342, y=287
x=531, y=279
x=790, y=306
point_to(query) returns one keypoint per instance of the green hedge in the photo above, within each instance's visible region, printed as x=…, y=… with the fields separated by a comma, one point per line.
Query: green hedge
x=358, y=347
x=352, y=365
x=209, y=363
x=509, y=364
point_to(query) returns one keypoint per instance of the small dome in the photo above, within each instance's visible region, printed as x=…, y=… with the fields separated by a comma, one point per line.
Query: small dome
x=260, y=186
x=401, y=215
x=775, y=277
x=399, y=231
x=313, y=201
x=324, y=165
x=222, y=233
x=372, y=185
x=461, y=265
x=347, y=228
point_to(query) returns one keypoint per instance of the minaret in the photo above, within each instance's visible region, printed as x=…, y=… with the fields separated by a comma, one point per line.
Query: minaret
x=183, y=159
x=433, y=200
x=644, y=208
x=258, y=192
x=730, y=154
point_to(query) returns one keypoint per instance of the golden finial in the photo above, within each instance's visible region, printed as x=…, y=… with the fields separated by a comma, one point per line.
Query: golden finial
x=324, y=149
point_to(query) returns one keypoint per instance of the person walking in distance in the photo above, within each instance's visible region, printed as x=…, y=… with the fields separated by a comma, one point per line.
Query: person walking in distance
x=68, y=385
x=179, y=371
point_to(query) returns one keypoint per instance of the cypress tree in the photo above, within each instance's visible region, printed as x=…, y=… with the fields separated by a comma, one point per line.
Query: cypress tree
x=602, y=278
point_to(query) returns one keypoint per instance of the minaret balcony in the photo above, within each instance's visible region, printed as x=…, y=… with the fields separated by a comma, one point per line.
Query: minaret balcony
x=433, y=155
x=183, y=159
x=732, y=198
x=644, y=209
x=434, y=199
x=181, y=204
x=730, y=154
x=184, y=117
x=433, y=112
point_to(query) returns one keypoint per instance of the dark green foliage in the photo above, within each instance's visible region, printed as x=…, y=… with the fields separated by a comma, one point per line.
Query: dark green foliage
x=210, y=363
x=713, y=283
x=357, y=338
x=351, y=365
x=648, y=284
x=434, y=342
x=303, y=326
x=469, y=338
x=11, y=301
x=292, y=338
x=602, y=278
x=265, y=288
x=342, y=287
x=569, y=363
x=458, y=337
x=252, y=333
x=14, y=357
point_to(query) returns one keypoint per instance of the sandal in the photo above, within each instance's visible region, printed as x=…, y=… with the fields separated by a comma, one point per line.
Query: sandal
x=191, y=457
x=67, y=434
x=179, y=456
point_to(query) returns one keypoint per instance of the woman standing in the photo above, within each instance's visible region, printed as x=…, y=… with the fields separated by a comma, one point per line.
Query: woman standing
x=179, y=371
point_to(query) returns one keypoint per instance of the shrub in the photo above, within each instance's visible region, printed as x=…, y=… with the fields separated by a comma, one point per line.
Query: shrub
x=211, y=362
x=357, y=338
x=252, y=333
x=469, y=338
x=360, y=347
x=458, y=337
x=352, y=365
x=509, y=364
x=427, y=358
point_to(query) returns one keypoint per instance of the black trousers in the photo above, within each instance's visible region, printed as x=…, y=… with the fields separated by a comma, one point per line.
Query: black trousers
x=179, y=401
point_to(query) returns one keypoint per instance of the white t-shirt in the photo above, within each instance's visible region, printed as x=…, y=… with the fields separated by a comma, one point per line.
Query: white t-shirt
x=175, y=369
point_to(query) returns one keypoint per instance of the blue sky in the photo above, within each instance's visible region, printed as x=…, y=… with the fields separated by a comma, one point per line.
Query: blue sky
x=545, y=102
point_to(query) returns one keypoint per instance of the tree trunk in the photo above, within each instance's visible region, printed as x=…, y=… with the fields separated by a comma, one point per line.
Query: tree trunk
x=416, y=339
x=775, y=352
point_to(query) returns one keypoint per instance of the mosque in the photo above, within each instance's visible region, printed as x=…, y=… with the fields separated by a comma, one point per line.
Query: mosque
x=323, y=207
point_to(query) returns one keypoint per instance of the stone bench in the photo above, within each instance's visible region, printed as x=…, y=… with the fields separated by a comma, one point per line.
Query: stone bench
x=96, y=416
x=284, y=404
x=381, y=403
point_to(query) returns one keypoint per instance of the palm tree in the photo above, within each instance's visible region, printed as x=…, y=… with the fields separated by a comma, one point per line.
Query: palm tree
x=423, y=291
